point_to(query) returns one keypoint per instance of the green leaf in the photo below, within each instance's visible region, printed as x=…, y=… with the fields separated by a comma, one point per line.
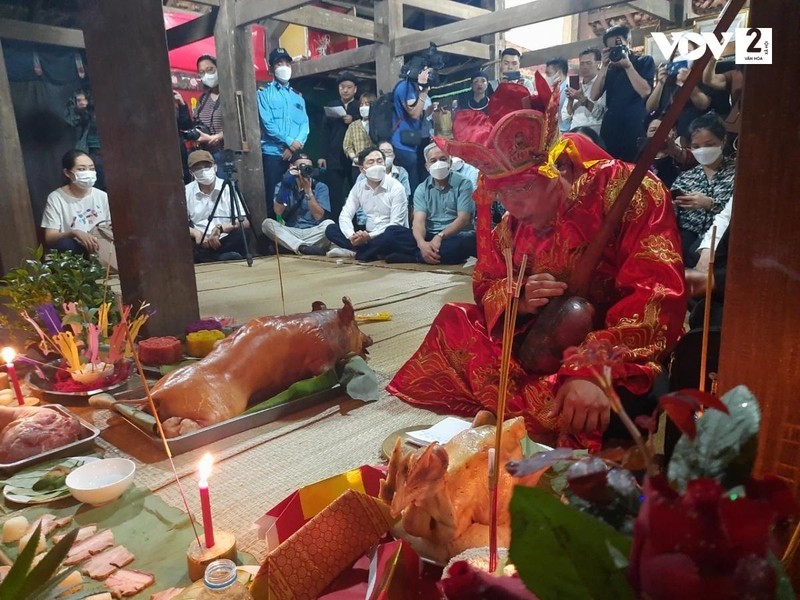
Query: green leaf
x=41, y=574
x=725, y=445
x=783, y=584
x=562, y=553
x=16, y=578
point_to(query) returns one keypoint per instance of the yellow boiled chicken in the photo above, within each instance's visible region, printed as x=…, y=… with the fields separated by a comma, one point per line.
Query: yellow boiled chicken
x=441, y=492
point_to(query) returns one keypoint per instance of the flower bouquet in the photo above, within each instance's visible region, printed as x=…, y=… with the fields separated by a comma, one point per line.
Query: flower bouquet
x=701, y=529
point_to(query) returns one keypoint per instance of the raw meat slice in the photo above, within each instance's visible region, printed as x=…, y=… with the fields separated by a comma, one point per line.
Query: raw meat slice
x=167, y=594
x=83, y=534
x=88, y=547
x=128, y=582
x=104, y=564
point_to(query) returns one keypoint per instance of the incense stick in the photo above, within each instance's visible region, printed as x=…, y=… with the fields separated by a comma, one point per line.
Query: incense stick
x=513, y=289
x=707, y=312
x=280, y=273
x=160, y=428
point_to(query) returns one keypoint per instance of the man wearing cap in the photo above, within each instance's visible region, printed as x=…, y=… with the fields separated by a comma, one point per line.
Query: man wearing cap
x=558, y=192
x=217, y=237
x=284, y=122
x=339, y=167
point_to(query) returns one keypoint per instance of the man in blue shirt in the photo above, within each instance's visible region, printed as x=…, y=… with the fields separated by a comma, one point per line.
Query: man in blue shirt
x=302, y=206
x=443, y=214
x=284, y=122
x=411, y=107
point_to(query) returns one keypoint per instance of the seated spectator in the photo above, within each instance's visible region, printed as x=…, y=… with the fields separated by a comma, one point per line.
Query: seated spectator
x=478, y=97
x=215, y=236
x=704, y=190
x=356, y=138
x=443, y=215
x=669, y=81
x=397, y=172
x=580, y=110
x=383, y=201
x=75, y=210
x=457, y=165
x=303, y=208
x=670, y=159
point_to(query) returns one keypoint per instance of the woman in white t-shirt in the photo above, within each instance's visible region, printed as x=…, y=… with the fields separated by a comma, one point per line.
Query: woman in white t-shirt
x=76, y=208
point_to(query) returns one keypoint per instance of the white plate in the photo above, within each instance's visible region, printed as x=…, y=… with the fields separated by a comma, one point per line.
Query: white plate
x=9, y=491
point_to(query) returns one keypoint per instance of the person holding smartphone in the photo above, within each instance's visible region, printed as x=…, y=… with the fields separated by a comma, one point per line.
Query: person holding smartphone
x=580, y=110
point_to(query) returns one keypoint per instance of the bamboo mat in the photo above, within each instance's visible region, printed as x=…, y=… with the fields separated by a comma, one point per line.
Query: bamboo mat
x=258, y=468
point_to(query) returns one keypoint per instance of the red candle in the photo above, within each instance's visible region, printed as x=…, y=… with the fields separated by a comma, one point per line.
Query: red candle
x=8, y=356
x=205, y=500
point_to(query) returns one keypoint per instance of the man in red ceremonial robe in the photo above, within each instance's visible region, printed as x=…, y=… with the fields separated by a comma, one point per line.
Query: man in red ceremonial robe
x=557, y=192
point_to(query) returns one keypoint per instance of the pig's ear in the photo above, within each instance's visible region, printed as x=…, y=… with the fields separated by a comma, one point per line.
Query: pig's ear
x=346, y=313
x=318, y=305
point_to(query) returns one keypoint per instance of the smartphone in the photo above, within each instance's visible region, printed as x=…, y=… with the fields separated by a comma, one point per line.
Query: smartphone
x=676, y=192
x=511, y=75
x=574, y=82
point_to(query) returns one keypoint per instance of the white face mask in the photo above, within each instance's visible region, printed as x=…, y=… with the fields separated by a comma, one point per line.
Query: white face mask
x=364, y=110
x=388, y=162
x=205, y=176
x=85, y=179
x=375, y=173
x=210, y=79
x=440, y=169
x=707, y=156
x=283, y=73
x=456, y=163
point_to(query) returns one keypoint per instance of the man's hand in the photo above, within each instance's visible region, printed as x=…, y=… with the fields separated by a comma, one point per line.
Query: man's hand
x=359, y=238
x=323, y=164
x=196, y=234
x=304, y=183
x=696, y=283
x=430, y=251
x=179, y=101
x=581, y=407
x=538, y=290
x=704, y=261
x=576, y=94
x=422, y=79
x=85, y=240
x=624, y=63
x=604, y=59
x=213, y=241
x=661, y=75
x=347, y=119
x=694, y=201
x=296, y=145
x=286, y=154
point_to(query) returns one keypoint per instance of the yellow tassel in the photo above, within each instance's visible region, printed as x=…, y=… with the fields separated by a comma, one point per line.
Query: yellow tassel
x=69, y=350
x=102, y=319
x=135, y=326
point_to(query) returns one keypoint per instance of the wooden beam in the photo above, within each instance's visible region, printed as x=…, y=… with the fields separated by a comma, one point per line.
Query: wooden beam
x=572, y=49
x=661, y=9
x=142, y=158
x=329, y=20
x=237, y=84
x=250, y=11
x=24, y=31
x=192, y=31
x=388, y=21
x=501, y=20
x=761, y=323
x=465, y=48
x=448, y=8
x=17, y=229
x=207, y=2
x=334, y=62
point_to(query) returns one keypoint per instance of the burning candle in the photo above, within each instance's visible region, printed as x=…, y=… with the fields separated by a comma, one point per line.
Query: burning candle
x=205, y=500
x=8, y=357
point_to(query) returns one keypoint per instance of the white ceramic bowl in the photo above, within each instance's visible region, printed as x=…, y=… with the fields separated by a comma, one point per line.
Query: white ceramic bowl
x=101, y=481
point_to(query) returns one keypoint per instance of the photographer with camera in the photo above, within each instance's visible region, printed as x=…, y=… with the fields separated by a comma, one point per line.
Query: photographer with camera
x=625, y=78
x=669, y=80
x=412, y=107
x=302, y=207
x=207, y=132
x=211, y=233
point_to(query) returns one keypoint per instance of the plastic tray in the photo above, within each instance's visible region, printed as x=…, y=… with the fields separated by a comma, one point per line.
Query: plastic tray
x=74, y=449
x=214, y=433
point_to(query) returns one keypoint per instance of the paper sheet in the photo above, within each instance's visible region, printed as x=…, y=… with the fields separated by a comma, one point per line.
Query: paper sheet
x=442, y=432
x=335, y=112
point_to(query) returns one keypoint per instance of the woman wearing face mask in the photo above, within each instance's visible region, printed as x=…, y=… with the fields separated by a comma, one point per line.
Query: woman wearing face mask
x=702, y=191
x=356, y=138
x=208, y=114
x=76, y=208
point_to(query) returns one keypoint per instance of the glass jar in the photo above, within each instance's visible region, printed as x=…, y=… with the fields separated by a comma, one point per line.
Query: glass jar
x=220, y=582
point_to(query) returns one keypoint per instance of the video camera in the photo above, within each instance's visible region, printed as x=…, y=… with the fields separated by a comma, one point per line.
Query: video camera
x=618, y=52
x=430, y=58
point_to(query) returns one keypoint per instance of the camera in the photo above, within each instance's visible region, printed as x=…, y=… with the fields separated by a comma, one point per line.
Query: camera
x=306, y=171
x=618, y=52
x=431, y=58
x=674, y=67
x=192, y=135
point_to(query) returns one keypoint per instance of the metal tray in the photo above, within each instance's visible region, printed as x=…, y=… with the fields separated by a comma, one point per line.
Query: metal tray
x=214, y=433
x=73, y=449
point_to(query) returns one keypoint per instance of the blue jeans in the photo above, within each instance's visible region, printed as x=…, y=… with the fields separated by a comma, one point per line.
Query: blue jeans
x=395, y=236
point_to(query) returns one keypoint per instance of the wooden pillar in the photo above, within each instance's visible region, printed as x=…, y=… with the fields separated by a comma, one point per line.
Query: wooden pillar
x=17, y=229
x=761, y=326
x=496, y=41
x=237, y=84
x=388, y=25
x=127, y=52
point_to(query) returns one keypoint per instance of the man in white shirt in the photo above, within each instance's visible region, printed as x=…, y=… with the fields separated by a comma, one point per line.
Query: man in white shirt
x=212, y=236
x=383, y=201
x=510, y=70
x=579, y=110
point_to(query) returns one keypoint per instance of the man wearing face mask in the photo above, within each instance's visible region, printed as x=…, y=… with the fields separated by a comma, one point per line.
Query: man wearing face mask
x=303, y=207
x=555, y=72
x=457, y=165
x=443, y=212
x=222, y=240
x=703, y=191
x=382, y=199
x=335, y=161
x=284, y=122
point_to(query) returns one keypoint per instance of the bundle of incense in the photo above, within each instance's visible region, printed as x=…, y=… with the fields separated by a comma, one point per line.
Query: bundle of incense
x=707, y=312
x=513, y=289
x=373, y=317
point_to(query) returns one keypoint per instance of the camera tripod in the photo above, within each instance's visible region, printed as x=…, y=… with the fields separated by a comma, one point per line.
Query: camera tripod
x=235, y=201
